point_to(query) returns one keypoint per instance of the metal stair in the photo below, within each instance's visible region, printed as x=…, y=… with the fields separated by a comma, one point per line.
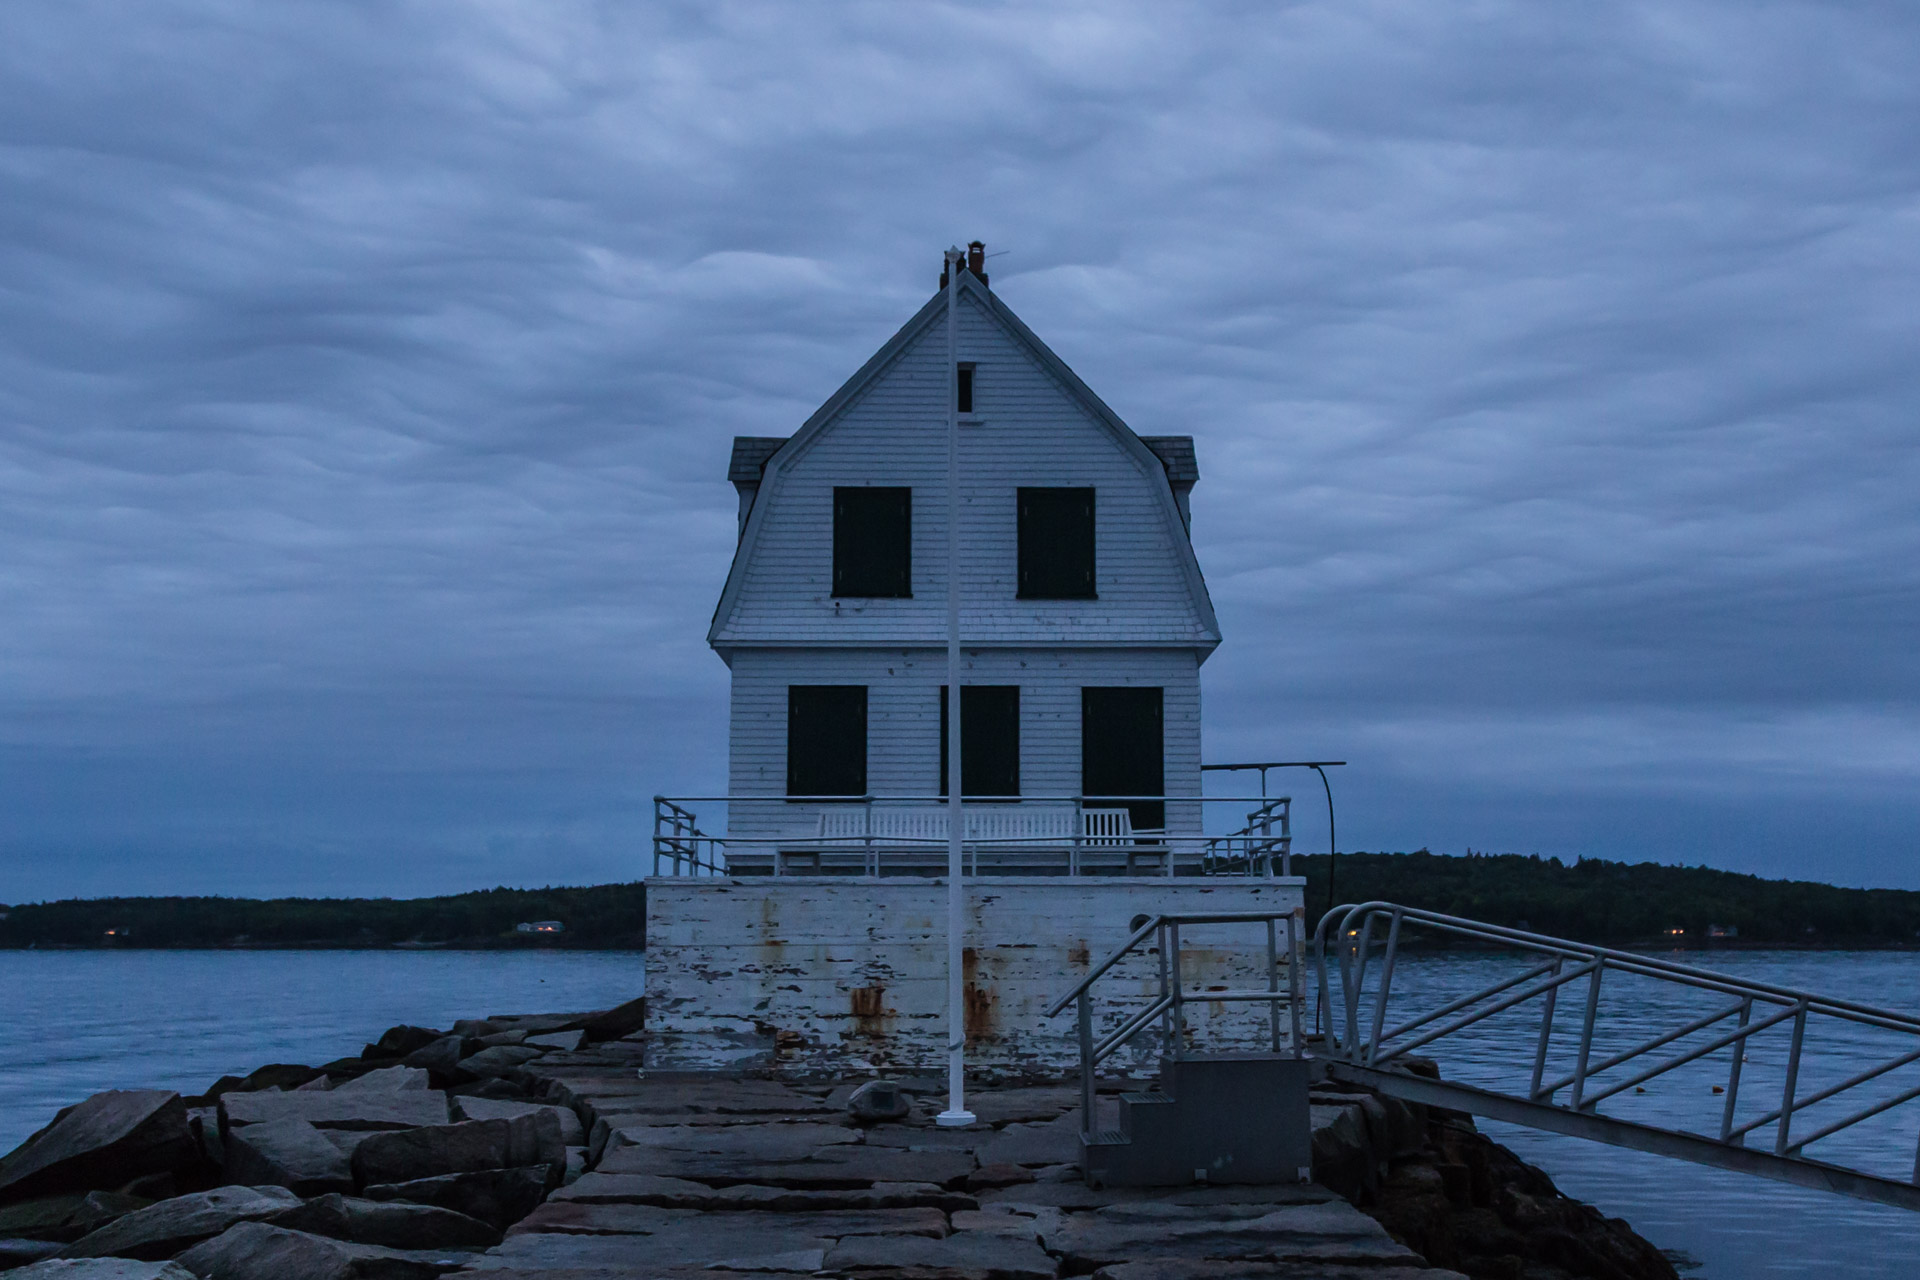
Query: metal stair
x=1213, y=1118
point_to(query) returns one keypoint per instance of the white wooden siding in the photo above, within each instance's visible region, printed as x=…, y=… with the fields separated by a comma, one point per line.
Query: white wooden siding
x=1030, y=430
x=903, y=719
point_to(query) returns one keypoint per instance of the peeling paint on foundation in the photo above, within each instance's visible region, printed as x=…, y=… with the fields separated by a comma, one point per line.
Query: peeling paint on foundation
x=853, y=971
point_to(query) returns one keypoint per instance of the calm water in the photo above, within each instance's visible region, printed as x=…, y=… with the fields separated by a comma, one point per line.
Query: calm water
x=75, y=1022
x=78, y=1022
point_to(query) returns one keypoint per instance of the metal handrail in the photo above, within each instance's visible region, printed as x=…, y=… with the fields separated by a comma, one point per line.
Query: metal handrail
x=1262, y=848
x=1167, y=1006
x=1349, y=933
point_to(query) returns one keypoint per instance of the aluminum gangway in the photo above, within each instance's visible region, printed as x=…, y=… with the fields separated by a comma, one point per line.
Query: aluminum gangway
x=1535, y=1062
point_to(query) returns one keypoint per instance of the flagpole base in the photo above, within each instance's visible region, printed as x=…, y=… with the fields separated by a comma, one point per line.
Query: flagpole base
x=955, y=1119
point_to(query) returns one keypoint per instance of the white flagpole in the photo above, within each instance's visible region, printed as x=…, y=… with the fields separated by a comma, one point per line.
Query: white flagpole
x=956, y=1113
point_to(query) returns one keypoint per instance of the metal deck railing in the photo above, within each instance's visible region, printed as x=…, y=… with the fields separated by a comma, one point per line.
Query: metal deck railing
x=1371, y=1029
x=878, y=835
x=1168, y=1006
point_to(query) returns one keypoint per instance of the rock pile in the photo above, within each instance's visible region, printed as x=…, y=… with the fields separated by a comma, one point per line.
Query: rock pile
x=404, y=1161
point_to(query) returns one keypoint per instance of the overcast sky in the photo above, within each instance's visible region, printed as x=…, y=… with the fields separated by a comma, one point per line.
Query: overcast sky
x=367, y=374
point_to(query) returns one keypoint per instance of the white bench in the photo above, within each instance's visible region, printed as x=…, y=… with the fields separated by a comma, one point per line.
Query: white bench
x=998, y=826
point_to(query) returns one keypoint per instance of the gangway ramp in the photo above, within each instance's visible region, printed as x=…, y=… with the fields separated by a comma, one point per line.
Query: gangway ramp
x=1751, y=1062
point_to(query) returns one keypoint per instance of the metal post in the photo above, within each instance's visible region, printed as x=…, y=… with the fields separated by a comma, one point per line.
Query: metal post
x=1793, y=1078
x=1273, y=982
x=1166, y=987
x=1733, y=1075
x=1178, y=991
x=1586, y=1033
x=1086, y=1064
x=1546, y=1033
x=1386, y=987
x=1296, y=928
x=956, y=1114
x=872, y=865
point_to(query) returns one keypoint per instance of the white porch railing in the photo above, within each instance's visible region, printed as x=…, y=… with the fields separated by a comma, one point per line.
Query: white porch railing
x=907, y=835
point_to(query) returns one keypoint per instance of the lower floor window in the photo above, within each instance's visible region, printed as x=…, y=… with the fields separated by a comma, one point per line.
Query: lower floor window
x=826, y=740
x=989, y=740
x=1123, y=750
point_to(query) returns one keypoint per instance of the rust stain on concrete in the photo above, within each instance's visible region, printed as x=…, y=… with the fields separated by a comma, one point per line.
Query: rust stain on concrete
x=1078, y=954
x=869, y=1007
x=982, y=1001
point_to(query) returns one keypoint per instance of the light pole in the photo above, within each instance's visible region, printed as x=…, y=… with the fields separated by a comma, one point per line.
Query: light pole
x=1318, y=766
x=956, y=1114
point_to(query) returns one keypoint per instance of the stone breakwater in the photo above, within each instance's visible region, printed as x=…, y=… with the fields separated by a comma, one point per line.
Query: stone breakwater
x=541, y=1146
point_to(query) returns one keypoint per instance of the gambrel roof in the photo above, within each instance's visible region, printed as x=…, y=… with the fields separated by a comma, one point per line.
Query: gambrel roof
x=1165, y=465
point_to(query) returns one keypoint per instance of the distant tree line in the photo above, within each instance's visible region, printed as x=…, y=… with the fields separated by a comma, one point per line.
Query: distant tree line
x=1594, y=900
x=602, y=916
x=1591, y=900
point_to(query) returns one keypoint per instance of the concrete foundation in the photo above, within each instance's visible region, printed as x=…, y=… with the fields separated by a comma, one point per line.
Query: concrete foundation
x=844, y=973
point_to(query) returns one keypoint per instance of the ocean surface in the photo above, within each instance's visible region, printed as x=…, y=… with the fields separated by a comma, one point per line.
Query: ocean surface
x=72, y=1023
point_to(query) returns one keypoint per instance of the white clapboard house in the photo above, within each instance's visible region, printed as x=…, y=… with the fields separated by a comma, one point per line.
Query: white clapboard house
x=808, y=898
x=1084, y=619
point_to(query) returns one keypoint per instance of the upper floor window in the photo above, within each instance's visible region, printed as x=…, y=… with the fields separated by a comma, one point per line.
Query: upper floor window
x=872, y=542
x=1056, y=544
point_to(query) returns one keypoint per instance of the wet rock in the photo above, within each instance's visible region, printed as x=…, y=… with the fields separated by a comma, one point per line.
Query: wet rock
x=968, y=1255
x=1217, y=1270
x=621, y=1020
x=395, y=1224
x=66, y=1218
x=992, y=1177
x=488, y=1041
x=164, y=1229
x=497, y=1061
x=256, y=1251
x=878, y=1101
x=572, y=1134
x=385, y=1080
x=441, y=1056
x=1050, y=1142
x=576, y=1166
x=338, y=1109
x=287, y=1153
x=432, y=1150
x=103, y=1143
x=497, y=1197
x=398, y=1042
x=102, y=1269
x=279, y=1075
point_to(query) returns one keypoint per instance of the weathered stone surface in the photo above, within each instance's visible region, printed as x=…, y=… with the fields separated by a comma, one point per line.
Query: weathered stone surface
x=572, y=1133
x=498, y=1197
x=385, y=1080
x=338, y=1109
x=497, y=1061
x=1030, y=1225
x=767, y=1141
x=280, y=1075
x=1037, y=1104
x=1331, y=1232
x=256, y=1251
x=502, y=1037
x=164, y=1229
x=103, y=1143
x=398, y=1042
x=574, y=1218
x=698, y=1095
x=877, y=1101
x=990, y=1177
x=101, y=1269
x=18, y=1252
x=395, y=1224
x=67, y=1217
x=286, y=1153
x=621, y=1020
x=965, y=1255
x=680, y=1193
x=1054, y=1141
x=566, y=1041
x=431, y=1150
x=443, y=1055
x=576, y=1166
x=1173, y=1269
x=829, y=1167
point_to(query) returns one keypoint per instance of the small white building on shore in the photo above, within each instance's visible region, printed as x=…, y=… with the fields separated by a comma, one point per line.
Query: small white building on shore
x=1084, y=621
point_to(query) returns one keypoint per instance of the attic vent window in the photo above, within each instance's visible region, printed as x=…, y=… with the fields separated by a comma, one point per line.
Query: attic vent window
x=872, y=542
x=1056, y=544
x=966, y=388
